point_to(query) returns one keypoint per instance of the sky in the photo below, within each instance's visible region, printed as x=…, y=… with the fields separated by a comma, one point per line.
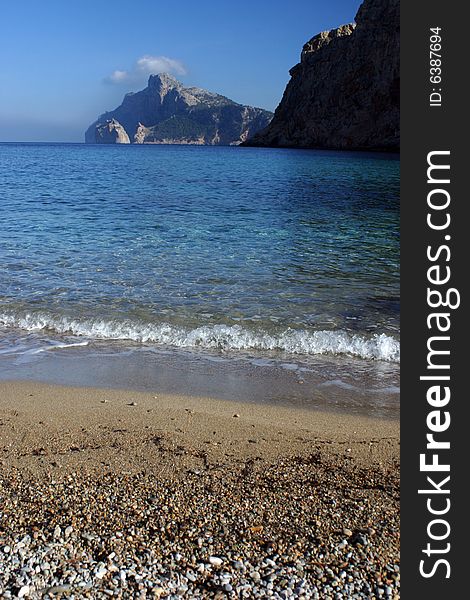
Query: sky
x=64, y=62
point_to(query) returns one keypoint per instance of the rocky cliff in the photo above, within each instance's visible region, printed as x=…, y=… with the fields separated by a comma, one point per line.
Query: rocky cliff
x=344, y=93
x=110, y=132
x=165, y=112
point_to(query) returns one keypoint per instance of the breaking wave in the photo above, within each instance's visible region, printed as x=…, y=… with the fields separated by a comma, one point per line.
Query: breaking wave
x=222, y=337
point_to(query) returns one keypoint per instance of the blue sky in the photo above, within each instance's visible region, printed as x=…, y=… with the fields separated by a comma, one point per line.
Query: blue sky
x=63, y=62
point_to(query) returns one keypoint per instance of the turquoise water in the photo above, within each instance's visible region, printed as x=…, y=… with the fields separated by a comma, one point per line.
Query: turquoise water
x=276, y=253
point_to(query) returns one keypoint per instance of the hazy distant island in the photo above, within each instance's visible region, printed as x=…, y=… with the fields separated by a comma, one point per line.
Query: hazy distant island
x=166, y=112
x=345, y=92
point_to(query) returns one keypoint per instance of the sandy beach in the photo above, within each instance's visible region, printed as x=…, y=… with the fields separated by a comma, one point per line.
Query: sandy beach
x=126, y=494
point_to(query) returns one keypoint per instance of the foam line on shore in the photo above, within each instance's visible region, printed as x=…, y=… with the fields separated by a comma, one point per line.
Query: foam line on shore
x=219, y=336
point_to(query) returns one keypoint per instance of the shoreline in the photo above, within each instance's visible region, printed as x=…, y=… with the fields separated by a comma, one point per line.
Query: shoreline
x=325, y=384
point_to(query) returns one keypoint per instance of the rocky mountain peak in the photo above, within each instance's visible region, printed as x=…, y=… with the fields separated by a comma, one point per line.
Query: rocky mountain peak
x=166, y=112
x=163, y=82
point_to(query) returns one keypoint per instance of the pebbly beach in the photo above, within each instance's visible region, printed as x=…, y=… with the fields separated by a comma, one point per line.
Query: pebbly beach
x=114, y=493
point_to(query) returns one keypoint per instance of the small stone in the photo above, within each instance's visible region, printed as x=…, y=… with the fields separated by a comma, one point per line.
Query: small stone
x=360, y=538
x=24, y=591
x=215, y=561
x=132, y=403
x=101, y=573
x=270, y=562
x=68, y=531
x=59, y=589
x=236, y=416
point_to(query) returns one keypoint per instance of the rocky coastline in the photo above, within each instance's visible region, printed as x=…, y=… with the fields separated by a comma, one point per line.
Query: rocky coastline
x=344, y=93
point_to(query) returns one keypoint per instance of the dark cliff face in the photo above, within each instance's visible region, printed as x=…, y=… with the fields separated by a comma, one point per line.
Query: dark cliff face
x=165, y=112
x=344, y=93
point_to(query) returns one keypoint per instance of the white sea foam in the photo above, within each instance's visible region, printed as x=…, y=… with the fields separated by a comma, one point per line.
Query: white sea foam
x=57, y=346
x=223, y=337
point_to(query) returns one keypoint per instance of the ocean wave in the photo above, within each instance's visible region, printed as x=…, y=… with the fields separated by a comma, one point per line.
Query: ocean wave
x=221, y=337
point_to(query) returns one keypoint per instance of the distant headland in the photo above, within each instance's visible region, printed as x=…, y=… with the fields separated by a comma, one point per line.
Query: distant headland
x=166, y=112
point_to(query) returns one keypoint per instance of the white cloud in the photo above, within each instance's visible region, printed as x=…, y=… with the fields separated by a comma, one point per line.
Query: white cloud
x=160, y=64
x=118, y=76
x=145, y=66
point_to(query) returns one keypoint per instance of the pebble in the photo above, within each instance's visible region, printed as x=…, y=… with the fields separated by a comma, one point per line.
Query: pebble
x=251, y=530
x=59, y=589
x=270, y=562
x=101, y=573
x=360, y=538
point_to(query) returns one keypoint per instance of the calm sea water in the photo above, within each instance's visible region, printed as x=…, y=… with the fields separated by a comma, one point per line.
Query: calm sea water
x=278, y=254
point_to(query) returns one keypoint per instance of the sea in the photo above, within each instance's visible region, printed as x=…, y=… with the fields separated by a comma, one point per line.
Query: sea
x=265, y=275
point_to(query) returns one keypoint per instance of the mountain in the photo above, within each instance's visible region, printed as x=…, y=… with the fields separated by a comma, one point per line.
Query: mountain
x=165, y=112
x=345, y=92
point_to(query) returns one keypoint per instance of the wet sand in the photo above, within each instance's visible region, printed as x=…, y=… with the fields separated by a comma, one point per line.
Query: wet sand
x=324, y=383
